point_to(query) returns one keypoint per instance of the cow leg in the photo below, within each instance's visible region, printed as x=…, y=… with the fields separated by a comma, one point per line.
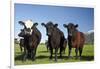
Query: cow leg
x=25, y=54
x=64, y=49
x=76, y=51
x=47, y=47
x=61, y=52
x=51, y=52
x=28, y=53
x=33, y=54
x=21, y=48
x=80, y=52
x=69, y=52
x=56, y=50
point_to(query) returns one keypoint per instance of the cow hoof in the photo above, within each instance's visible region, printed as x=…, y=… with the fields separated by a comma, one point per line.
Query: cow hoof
x=33, y=59
x=61, y=57
x=50, y=57
x=80, y=58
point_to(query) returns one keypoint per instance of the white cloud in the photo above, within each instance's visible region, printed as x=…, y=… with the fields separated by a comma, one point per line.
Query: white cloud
x=90, y=31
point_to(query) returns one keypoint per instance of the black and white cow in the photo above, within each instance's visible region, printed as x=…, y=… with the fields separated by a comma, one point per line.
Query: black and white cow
x=32, y=38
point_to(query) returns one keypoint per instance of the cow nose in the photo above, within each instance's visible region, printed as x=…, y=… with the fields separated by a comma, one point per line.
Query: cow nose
x=29, y=30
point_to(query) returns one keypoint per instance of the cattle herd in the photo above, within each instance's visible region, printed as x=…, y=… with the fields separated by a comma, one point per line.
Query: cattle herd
x=56, y=39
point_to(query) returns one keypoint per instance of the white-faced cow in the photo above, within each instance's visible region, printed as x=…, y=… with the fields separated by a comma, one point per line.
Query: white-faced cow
x=32, y=37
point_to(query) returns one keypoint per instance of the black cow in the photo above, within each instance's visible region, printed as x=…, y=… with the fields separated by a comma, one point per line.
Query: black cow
x=55, y=38
x=32, y=37
x=76, y=39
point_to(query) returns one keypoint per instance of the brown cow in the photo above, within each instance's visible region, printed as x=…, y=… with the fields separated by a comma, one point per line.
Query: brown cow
x=76, y=39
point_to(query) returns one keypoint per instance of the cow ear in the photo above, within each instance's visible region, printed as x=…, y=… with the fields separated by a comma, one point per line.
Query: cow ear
x=43, y=24
x=76, y=25
x=21, y=23
x=55, y=25
x=35, y=24
x=65, y=25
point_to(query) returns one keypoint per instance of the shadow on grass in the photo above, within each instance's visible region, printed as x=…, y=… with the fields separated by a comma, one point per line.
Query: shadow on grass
x=83, y=58
x=19, y=57
x=87, y=58
x=19, y=53
x=42, y=57
x=43, y=51
x=48, y=52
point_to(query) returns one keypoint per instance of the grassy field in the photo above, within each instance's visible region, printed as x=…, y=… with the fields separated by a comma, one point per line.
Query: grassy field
x=42, y=56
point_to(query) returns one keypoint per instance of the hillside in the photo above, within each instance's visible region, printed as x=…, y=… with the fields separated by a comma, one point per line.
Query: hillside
x=89, y=37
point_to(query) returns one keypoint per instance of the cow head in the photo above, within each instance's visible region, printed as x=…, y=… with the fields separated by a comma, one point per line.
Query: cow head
x=71, y=28
x=49, y=27
x=22, y=33
x=28, y=28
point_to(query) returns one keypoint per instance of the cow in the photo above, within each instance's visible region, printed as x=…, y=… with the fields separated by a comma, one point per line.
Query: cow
x=32, y=38
x=76, y=39
x=55, y=38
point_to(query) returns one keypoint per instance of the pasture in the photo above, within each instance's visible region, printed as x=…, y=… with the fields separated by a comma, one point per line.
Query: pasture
x=42, y=55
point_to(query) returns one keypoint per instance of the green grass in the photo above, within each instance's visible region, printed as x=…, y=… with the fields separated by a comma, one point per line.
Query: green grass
x=42, y=56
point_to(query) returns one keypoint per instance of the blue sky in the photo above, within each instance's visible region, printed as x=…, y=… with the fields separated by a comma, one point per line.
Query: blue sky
x=84, y=17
